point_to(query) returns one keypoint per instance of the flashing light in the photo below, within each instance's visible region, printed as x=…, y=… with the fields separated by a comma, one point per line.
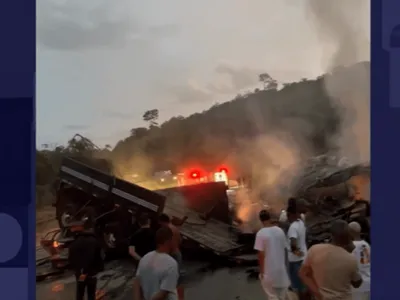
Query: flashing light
x=194, y=174
x=223, y=170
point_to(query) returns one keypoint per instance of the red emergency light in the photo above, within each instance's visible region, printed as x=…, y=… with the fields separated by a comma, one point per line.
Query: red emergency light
x=195, y=174
x=223, y=170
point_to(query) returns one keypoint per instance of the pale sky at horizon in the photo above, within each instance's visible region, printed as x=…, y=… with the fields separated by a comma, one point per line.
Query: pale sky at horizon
x=101, y=64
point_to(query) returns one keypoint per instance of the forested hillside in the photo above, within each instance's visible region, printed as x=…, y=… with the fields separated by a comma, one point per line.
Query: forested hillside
x=243, y=133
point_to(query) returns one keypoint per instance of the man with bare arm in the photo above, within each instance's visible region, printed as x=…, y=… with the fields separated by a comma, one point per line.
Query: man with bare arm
x=297, y=250
x=330, y=270
x=157, y=272
x=271, y=245
x=164, y=220
x=362, y=252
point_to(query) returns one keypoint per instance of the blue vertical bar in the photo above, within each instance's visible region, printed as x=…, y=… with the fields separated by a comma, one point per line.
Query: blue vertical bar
x=17, y=150
x=385, y=147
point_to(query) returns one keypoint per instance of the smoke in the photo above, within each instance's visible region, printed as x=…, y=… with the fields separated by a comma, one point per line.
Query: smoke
x=277, y=157
x=287, y=131
x=339, y=25
x=134, y=169
x=273, y=160
x=298, y=122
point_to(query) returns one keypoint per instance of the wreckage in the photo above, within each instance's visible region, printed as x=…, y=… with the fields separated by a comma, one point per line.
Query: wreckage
x=333, y=189
x=203, y=211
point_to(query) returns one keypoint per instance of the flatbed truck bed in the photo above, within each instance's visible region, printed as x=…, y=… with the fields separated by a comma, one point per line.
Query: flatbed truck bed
x=203, y=207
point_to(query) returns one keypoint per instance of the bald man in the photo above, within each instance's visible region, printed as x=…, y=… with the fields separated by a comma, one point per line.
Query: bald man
x=330, y=270
x=362, y=252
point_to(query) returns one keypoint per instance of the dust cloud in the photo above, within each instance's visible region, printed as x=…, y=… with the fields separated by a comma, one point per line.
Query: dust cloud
x=339, y=25
x=272, y=161
x=133, y=168
x=276, y=159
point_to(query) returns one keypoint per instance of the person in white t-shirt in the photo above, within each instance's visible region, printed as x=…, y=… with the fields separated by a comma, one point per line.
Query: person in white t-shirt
x=362, y=252
x=271, y=245
x=297, y=250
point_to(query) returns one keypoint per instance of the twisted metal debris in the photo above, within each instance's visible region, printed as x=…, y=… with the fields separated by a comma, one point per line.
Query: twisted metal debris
x=325, y=185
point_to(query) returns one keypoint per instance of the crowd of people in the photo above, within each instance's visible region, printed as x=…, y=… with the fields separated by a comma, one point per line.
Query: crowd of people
x=156, y=254
x=159, y=264
x=339, y=270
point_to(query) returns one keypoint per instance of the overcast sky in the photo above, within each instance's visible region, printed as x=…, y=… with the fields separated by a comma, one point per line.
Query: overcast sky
x=102, y=63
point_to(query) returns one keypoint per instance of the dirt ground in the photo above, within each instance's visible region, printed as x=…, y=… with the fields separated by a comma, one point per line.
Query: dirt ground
x=43, y=215
x=45, y=221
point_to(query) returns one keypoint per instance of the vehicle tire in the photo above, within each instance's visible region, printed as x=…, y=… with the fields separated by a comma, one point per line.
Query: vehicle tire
x=65, y=213
x=113, y=240
x=109, y=238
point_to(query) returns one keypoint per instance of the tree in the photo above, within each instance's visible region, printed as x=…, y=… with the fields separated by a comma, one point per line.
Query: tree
x=224, y=134
x=44, y=170
x=59, y=149
x=268, y=82
x=264, y=78
x=286, y=84
x=272, y=85
x=139, y=132
x=76, y=146
x=151, y=117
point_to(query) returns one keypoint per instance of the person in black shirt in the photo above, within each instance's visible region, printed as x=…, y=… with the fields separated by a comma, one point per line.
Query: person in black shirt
x=85, y=258
x=143, y=241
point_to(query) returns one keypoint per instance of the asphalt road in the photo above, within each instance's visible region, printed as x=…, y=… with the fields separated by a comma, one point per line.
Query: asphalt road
x=202, y=283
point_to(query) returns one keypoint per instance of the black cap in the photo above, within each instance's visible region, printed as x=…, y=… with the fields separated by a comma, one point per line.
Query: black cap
x=291, y=209
x=292, y=202
x=264, y=215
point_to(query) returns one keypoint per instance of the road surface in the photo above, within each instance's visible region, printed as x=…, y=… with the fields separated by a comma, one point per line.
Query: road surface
x=202, y=283
x=116, y=281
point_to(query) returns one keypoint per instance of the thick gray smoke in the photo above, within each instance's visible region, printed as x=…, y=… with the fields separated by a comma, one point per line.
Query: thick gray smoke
x=341, y=26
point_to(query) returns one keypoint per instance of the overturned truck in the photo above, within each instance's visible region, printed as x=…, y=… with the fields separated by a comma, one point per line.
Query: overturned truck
x=201, y=211
x=331, y=190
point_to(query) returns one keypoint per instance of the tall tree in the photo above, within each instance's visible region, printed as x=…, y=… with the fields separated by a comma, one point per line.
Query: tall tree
x=151, y=117
x=264, y=78
x=268, y=82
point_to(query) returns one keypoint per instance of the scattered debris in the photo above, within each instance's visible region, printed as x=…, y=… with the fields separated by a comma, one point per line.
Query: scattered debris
x=332, y=191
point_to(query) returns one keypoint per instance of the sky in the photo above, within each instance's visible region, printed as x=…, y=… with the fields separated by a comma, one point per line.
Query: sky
x=101, y=64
